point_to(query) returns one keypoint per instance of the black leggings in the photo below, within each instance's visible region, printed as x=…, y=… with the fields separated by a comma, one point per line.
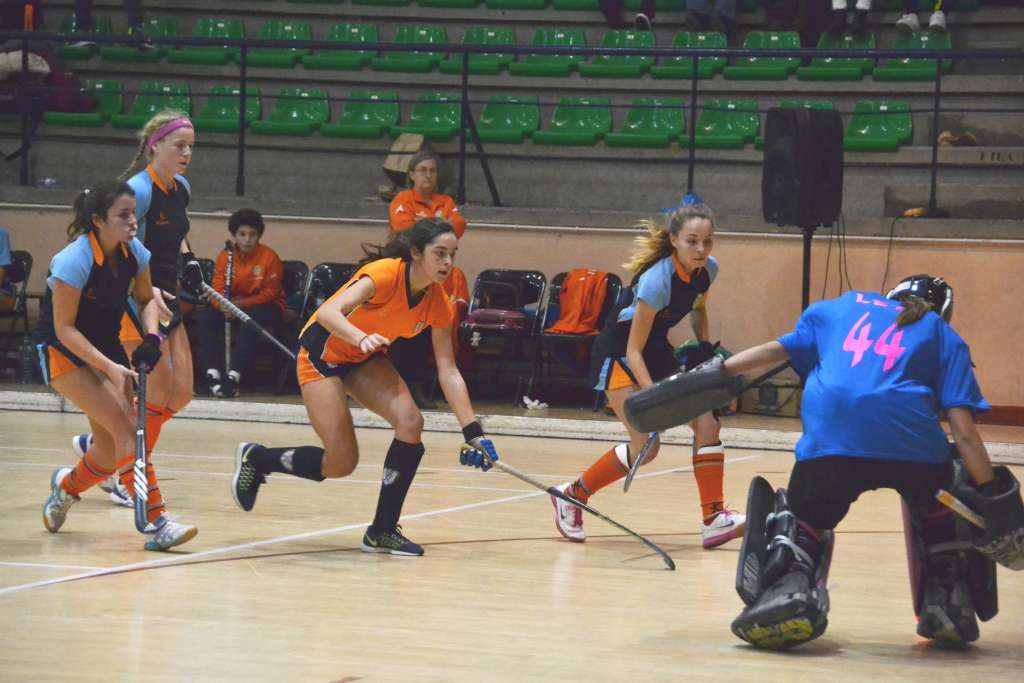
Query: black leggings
x=822, y=489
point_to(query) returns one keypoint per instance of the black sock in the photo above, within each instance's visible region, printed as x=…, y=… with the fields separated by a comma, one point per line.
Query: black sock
x=302, y=461
x=400, y=465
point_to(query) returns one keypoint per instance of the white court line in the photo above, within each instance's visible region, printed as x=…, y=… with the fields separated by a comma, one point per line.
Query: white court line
x=46, y=566
x=192, y=557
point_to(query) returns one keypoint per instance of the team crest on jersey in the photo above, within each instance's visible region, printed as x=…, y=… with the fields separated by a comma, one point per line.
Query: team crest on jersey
x=419, y=328
x=257, y=270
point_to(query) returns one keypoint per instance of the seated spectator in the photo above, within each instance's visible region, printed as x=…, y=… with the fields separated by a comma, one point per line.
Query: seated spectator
x=908, y=22
x=7, y=291
x=256, y=288
x=413, y=357
x=859, y=25
x=725, y=16
x=612, y=11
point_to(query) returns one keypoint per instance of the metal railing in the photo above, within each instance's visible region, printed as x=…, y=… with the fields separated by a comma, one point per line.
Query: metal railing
x=467, y=129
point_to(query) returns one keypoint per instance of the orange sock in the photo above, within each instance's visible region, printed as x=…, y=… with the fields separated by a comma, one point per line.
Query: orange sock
x=154, y=500
x=156, y=417
x=608, y=469
x=85, y=475
x=709, y=470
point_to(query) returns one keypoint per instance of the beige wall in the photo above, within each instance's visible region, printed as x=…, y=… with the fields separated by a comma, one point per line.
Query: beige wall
x=756, y=297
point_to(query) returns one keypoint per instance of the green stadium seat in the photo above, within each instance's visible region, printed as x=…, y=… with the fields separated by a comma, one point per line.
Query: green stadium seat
x=660, y=5
x=448, y=4
x=508, y=119
x=153, y=98
x=414, y=62
x=280, y=57
x=682, y=67
x=614, y=66
x=766, y=68
x=317, y=2
x=913, y=68
x=220, y=114
x=515, y=4
x=551, y=64
x=435, y=116
x=383, y=3
x=577, y=121
x=101, y=26
x=486, y=62
x=207, y=27
x=650, y=122
x=577, y=5
x=109, y=101
x=839, y=68
x=344, y=60
x=154, y=27
x=727, y=124
x=793, y=104
x=879, y=126
x=297, y=111
x=366, y=114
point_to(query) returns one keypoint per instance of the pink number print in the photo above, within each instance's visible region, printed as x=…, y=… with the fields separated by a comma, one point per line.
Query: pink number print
x=890, y=350
x=857, y=340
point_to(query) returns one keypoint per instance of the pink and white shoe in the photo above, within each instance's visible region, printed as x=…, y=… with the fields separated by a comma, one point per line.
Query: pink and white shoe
x=568, y=517
x=727, y=525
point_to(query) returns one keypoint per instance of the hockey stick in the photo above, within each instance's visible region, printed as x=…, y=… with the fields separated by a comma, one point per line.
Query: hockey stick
x=227, y=295
x=639, y=460
x=245, y=319
x=957, y=506
x=141, y=483
x=508, y=469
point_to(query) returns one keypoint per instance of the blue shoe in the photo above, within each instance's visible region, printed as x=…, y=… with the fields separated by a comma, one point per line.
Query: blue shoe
x=246, y=482
x=391, y=542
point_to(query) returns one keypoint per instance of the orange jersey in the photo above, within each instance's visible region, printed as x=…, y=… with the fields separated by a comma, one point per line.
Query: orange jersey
x=256, y=277
x=387, y=313
x=409, y=206
x=580, y=302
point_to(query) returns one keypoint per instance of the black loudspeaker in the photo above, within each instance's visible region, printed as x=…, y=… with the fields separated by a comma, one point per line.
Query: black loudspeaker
x=802, y=181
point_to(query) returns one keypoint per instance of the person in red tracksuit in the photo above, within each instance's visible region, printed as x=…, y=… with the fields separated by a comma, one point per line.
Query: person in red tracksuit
x=256, y=288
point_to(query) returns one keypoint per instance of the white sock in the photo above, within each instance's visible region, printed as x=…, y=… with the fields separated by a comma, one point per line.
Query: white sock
x=213, y=374
x=234, y=376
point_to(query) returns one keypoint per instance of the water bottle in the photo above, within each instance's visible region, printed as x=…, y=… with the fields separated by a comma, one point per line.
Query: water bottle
x=26, y=361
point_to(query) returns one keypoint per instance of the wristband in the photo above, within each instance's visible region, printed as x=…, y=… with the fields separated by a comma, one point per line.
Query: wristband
x=472, y=431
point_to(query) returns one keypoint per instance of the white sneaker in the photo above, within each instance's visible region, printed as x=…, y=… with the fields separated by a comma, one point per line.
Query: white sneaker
x=568, y=517
x=727, y=525
x=908, y=23
x=119, y=494
x=167, y=533
x=937, y=23
x=56, y=508
x=80, y=444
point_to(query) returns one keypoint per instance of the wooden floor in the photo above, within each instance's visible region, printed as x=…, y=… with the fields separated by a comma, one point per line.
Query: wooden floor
x=283, y=592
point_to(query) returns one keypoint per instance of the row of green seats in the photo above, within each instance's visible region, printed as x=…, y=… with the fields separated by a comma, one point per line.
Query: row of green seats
x=601, y=66
x=505, y=119
x=571, y=5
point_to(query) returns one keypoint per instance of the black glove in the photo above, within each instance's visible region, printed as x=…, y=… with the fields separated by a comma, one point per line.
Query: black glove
x=191, y=274
x=703, y=352
x=147, y=355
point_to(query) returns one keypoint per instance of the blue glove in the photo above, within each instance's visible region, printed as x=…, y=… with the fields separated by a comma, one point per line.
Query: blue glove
x=480, y=452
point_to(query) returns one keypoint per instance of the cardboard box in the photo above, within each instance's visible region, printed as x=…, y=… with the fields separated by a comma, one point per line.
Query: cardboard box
x=781, y=398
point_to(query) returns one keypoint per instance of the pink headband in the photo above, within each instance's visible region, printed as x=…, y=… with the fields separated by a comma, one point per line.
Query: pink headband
x=167, y=129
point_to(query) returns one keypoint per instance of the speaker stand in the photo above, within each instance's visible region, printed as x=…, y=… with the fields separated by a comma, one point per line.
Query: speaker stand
x=805, y=300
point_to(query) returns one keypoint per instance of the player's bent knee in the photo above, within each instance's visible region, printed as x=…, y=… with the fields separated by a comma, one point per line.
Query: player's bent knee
x=409, y=426
x=339, y=466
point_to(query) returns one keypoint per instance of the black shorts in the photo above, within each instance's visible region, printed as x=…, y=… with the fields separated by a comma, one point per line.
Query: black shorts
x=822, y=489
x=609, y=369
x=56, y=360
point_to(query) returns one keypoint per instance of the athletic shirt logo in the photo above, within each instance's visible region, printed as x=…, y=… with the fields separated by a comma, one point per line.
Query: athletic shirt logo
x=257, y=270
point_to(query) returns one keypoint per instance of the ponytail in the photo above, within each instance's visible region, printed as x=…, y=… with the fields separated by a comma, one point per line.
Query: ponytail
x=95, y=201
x=914, y=308
x=143, y=154
x=656, y=244
x=401, y=244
